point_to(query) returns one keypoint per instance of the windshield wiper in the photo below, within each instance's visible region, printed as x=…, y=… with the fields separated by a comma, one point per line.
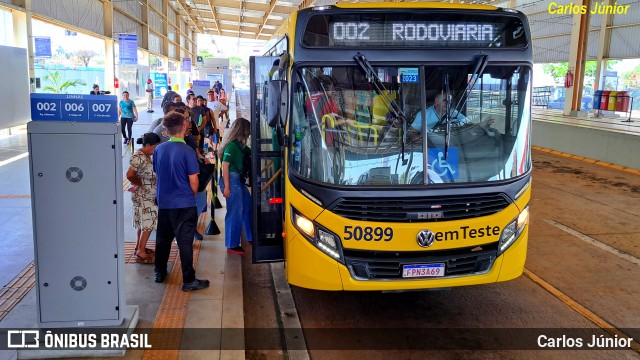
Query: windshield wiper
x=478, y=71
x=387, y=99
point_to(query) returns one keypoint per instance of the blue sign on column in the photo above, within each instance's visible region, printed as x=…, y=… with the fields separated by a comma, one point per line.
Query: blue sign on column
x=186, y=64
x=72, y=107
x=128, y=45
x=42, y=46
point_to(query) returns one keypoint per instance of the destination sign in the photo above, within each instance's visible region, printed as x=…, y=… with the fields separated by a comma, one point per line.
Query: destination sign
x=414, y=30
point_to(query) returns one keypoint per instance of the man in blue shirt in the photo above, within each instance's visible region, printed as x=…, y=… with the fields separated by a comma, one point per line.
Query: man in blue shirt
x=176, y=168
x=435, y=112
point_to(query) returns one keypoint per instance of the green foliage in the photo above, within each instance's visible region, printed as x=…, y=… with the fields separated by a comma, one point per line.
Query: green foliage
x=631, y=79
x=205, y=53
x=237, y=62
x=559, y=70
x=57, y=86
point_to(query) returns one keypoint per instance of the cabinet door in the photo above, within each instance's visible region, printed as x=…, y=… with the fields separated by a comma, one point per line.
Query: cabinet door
x=74, y=193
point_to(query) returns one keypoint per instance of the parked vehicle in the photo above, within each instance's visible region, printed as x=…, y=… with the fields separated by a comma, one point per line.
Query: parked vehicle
x=558, y=95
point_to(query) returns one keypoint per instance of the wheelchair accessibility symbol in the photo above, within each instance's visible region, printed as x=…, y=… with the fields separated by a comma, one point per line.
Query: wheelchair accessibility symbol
x=446, y=169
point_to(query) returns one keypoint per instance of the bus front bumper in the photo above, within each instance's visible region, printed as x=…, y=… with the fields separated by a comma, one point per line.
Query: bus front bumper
x=309, y=267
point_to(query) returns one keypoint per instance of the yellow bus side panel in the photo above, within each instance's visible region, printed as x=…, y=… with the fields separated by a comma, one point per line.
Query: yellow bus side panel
x=309, y=267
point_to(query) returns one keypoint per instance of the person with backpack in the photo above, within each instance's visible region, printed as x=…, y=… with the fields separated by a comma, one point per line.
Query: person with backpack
x=236, y=165
x=168, y=96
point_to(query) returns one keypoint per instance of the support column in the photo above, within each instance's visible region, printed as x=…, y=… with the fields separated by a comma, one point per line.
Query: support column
x=603, y=47
x=109, y=63
x=23, y=36
x=165, y=29
x=144, y=42
x=577, y=59
x=109, y=66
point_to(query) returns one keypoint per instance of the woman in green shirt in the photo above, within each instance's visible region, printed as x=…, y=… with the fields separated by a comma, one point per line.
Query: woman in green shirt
x=233, y=189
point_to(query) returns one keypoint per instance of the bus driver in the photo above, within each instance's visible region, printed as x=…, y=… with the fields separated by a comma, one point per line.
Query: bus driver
x=435, y=112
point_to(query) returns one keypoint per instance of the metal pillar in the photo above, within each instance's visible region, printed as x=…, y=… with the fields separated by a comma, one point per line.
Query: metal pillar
x=23, y=35
x=577, y=59
x=603, y=47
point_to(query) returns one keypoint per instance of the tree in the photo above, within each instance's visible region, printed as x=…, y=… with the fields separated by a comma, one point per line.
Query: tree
x=85, y=56
x=559, y=70
x=57, y=86
x=237, y=62
x=205, y=53
x=631, y=79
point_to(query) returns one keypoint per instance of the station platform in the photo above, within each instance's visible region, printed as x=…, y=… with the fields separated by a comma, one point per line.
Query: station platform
x=159, y=305
x=221, y=305
x=607, y=139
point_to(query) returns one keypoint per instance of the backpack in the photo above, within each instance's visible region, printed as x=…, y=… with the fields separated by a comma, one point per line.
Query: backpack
x=245, y=174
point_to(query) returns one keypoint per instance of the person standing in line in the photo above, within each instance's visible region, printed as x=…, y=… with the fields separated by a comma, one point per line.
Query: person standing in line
x=149, y=95
x=143, y=195
x=233, y=189
x=176, y=168
x=128, y=114
x=156, y=125
x=168, y=96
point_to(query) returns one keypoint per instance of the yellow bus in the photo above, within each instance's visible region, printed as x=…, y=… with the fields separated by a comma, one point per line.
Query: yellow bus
x=391, y=146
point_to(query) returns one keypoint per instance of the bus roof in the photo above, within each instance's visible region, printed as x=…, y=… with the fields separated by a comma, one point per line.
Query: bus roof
x=414, y=5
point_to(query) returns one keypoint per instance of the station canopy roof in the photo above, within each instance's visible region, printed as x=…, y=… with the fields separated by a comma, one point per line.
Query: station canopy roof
x=254, y=19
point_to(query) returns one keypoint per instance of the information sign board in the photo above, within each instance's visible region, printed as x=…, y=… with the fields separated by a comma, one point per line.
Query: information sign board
x=74, y=107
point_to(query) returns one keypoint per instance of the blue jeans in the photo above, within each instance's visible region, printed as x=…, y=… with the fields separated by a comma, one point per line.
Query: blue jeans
x=201, y=202
x=238, y=211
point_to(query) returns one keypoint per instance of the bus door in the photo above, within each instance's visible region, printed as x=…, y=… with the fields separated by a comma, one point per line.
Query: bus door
x=267, y=181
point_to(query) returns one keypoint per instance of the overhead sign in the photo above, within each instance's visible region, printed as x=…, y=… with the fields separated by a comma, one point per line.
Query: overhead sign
x=200, y=87
x=74, y=107
x=416, y=29
x=186, y=64
x=42, y=46
x=128, y=45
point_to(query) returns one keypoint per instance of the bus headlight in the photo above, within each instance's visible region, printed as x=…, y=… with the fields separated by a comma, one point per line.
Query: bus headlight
x=304, y=225
x=320, y=237
x=511, y=232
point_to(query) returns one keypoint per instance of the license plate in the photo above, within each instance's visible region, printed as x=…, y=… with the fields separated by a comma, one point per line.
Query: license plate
x=423, y=270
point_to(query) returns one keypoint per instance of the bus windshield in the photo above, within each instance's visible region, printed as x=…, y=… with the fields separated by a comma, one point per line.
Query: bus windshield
x=344, y=133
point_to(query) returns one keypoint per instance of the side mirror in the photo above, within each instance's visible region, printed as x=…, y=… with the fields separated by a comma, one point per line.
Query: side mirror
x=277, y=102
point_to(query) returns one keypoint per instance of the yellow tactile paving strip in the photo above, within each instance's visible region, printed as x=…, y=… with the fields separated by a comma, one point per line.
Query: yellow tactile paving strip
x=130, y=255
x=11, y=294
x=575, y=306
x=19, y=286
x=588, y=160
x=173, y=308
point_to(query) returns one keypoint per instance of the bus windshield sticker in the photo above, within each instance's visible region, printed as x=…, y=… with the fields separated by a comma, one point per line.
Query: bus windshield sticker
x=408, y=75
x=445, y=170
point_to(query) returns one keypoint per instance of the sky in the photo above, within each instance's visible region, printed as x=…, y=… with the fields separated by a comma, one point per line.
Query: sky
x=230, y=46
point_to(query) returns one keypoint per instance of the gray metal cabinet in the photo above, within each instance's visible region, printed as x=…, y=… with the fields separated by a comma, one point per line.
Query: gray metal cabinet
x=76, y=186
